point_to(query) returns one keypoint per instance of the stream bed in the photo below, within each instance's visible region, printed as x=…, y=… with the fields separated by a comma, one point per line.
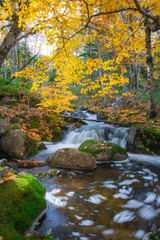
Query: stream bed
x=119, y=200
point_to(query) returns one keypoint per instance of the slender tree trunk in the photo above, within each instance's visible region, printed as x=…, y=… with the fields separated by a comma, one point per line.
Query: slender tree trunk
x=138, y=74
x=9, y=41
x=18, y=57
x=15, y=58
x=12, y=62
x=4, y=65
x=135, y=76
x=105, y=98
x=149, y=61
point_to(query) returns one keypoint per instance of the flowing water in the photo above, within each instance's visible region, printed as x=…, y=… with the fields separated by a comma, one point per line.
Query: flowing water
x=114, y=201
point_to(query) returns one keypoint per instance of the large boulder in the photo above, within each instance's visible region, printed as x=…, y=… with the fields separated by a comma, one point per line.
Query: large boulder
x=21, y=201
x=103, y=151
x=143, y=140
x=18, y=144
x=4, y=127
x=71, y=158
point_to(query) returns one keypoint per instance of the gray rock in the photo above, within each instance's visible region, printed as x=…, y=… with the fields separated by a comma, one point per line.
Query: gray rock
x=100, y=115
x=104, y=156
x=119, y=157
x=18, y=144
x=4, y=171
x=133, y=144
x=41, y=146
x=3, y=162
x=4, y=127
x=71, y=158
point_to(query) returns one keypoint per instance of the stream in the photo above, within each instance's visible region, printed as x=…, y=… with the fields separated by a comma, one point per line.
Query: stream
x=114, y=201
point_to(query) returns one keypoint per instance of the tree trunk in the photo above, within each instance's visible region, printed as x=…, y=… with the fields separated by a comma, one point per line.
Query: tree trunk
x=149, y=61
x=4, y=65
x=9, y=41
x=105, y=98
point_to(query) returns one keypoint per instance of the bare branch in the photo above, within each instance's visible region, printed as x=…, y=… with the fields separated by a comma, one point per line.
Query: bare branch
x=144, y=13
x=111, y=12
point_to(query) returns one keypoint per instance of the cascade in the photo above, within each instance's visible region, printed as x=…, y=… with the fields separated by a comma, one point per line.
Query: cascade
x=100, y=130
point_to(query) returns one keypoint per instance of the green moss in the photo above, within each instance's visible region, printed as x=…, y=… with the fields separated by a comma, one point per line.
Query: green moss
x=96, y=146
x=92, y=146
x=14, y=171
x=34, y=122
x=116, y=148
x=44, y=137
x=31, y=147
x=15, y=126
x=149, y=139
x=21, y=200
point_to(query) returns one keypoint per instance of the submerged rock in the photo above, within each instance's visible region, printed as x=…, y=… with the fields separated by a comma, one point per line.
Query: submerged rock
x=21, y=200
x=71, y=158
x=49, y=173
x=103, y=150
x=18, y=144
x=143, y=140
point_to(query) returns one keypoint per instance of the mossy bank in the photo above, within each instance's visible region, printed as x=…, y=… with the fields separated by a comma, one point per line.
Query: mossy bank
x=143, y=140
x=21, y=201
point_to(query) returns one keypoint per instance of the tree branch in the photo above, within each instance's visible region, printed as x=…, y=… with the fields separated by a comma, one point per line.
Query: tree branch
x=144, y=13
x=105, y=121
x=23, y=67
x=111, y=12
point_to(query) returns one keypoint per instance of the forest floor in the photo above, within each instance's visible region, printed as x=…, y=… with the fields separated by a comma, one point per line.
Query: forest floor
x=22, y=112
x=127, y=113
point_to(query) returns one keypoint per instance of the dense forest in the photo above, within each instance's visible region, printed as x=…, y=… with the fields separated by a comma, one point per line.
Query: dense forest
x=101, y=49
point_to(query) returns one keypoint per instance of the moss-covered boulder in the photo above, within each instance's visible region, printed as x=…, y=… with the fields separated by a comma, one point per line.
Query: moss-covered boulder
x=21, y=201
x=143, y=140
x=103, y=151
x=71, y=158
x=18, y=144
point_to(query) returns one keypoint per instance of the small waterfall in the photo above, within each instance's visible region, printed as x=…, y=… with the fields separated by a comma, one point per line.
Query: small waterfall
x=99, y=130
x=120, y=136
